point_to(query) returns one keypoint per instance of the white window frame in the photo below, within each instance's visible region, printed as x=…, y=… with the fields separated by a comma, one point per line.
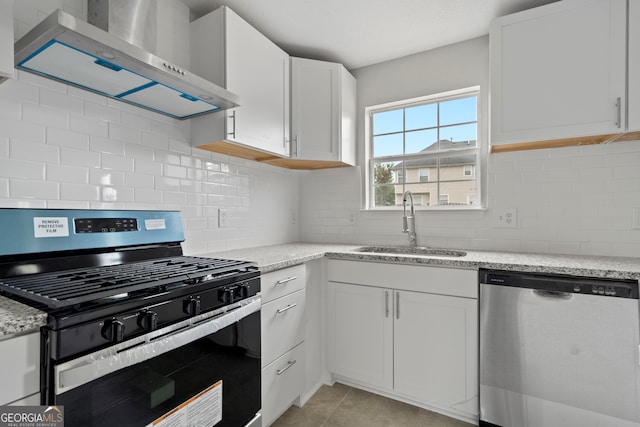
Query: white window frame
x=420, y=174
x=480, y=149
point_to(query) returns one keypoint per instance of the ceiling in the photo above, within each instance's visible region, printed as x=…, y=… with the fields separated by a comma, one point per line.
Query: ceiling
x=358, y=33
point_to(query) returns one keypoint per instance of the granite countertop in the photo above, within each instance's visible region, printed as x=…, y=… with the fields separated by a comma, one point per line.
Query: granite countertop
x=16, y=318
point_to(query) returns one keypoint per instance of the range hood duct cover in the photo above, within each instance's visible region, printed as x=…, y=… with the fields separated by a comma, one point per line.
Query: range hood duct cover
x=65, y=48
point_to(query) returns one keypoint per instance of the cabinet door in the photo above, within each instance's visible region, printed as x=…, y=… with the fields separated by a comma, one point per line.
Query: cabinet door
x=282, y=323
x=558, y=71
x=20, y=358
x=282, y=383
x=315, y=109
x=258, y=72
x=6, y=38
x=436, y=350
x=360, y=334
x=634, y=66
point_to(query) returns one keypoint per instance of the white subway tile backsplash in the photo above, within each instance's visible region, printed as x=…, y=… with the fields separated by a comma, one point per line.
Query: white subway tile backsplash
x=67, y=204
x=165, y=183
x=60, y=101
x=12, y=168
x=22, y=130
x=88, y=126
x=120, y=163
x=147, y=167
x=146, y=195
x=4, y=188
x=69, y=174
x=124, y=133
x=82, y=192
x=117, y=194
x=10, y=108
x=79, y=158
x=101, y=144
x=154, y=141
x=106, y=177
x=27, y=189
x=174, y=171
x=18, y=90
x=139, y=181
x=100, y=111
x=66, y=138
x=39, y=152
x=174, y=197
x=42, y=82
x=4, y=146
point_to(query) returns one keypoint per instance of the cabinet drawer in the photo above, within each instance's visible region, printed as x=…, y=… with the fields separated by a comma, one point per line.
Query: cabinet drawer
x=282, y=323
x=281, y=282
x=282, y=383
x=20, y=359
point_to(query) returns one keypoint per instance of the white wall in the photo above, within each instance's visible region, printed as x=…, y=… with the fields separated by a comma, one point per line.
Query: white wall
x=575, y=200
x=62, y=147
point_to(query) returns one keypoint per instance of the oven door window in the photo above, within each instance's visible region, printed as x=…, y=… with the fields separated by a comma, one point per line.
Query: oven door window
x=227, y=361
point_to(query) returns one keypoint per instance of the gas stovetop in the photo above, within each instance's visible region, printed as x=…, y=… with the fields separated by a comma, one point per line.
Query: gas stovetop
x=71, y=287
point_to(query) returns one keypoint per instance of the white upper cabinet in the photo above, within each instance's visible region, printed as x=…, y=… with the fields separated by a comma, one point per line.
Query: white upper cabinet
x=558, y=71
x=634, y=66
x=6, y=38
x=228, y=51
x=323, y=111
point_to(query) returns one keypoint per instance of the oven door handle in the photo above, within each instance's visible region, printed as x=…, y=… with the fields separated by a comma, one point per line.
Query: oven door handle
x=90, y=367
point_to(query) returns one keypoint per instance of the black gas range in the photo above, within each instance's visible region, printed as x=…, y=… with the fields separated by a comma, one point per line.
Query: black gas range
x=130, y=316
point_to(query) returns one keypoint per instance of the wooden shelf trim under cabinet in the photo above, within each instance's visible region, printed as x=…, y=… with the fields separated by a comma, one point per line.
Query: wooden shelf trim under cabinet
x=244, y=152
x=558, y=143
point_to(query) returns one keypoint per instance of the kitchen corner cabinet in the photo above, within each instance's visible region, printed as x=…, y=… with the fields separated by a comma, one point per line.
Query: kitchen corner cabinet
x=6, y=39
x=282, y=321
x=408, y=331
x=20, y=357
x=323, y=111
x=558, y=72
x=228, y=51
x=634, y=67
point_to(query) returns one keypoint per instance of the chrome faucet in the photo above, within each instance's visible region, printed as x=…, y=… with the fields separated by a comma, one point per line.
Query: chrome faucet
x=405, y=220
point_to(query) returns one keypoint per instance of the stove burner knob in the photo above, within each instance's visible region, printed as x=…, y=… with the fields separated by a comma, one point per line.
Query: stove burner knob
x=244, y=290
x=113, y=330
x=191, y=306
x=148, y=320
x=227, y=295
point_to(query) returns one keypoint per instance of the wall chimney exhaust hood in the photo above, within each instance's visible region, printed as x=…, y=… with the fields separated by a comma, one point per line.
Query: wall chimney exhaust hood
x=75, y=52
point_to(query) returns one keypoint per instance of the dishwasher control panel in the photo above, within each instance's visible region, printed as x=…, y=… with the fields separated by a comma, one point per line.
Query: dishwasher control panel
x=562, y=283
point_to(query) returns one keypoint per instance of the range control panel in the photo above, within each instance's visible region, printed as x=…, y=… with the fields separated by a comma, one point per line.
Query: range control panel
x=105, y=225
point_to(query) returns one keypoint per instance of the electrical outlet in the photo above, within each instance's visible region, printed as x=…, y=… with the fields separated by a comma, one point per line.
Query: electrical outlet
x=353, y=217
x=222, y=218
x=505, y=218
x=636, y=219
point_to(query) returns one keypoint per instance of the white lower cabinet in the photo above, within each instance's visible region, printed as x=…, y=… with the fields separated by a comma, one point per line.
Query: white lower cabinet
x=20, y=357
x=406, y=338
x=282, y=383
x=282, y=321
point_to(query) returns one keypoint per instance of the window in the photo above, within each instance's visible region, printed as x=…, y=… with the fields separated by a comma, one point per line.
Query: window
x=427, y=146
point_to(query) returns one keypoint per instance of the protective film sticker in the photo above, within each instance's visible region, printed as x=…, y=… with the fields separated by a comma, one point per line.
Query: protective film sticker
x=50, y=226
x=203, y=409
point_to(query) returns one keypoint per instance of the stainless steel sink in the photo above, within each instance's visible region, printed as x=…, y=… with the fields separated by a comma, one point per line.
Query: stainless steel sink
x=406, y=250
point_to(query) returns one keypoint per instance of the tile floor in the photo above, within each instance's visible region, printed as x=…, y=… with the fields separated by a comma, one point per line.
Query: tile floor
x=344, y=406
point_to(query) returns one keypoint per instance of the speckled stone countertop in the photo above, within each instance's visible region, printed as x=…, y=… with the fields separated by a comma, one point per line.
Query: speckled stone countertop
x=17, y=318
x=269, y=258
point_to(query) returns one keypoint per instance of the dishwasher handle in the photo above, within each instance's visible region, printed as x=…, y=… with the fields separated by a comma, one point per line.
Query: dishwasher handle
x=553, y=294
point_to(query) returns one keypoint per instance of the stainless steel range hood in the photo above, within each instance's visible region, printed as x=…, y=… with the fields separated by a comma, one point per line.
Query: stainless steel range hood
x=70, y=50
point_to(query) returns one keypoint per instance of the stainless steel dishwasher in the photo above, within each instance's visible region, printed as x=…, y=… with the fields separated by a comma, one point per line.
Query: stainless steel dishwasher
x=558, y=351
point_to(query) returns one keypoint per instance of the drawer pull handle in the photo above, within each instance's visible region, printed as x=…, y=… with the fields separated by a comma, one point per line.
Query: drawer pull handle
x=283, y=281
x=289, y=307
x=283, y=370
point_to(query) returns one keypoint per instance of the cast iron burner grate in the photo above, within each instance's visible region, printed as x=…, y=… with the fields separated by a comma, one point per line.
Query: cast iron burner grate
x=69, y=287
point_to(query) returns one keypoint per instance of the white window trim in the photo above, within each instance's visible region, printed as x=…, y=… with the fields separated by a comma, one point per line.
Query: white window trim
x=482, y=147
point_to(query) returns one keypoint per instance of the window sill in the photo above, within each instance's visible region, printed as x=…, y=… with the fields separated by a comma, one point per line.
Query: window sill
x=428, y=209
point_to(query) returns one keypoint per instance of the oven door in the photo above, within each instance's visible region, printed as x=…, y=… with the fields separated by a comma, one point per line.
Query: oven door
x=201, y=372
